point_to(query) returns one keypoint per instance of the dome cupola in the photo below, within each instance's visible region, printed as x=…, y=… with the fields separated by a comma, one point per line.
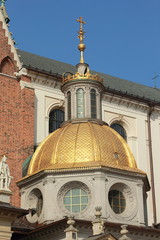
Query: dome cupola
x=85, y=163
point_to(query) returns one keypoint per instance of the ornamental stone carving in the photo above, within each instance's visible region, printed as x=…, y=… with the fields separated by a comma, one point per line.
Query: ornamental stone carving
x=98, y=224
x=130, y=199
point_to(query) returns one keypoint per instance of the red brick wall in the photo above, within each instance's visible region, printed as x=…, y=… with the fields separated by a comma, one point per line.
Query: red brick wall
x=16, y=116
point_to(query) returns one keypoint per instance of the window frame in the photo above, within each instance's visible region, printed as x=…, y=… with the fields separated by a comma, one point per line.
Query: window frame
x=93, y=103
x=72, y=196
x=80, y=103
x=69, y=105
x=119, y=129
x=54, y=123
x=115, y=198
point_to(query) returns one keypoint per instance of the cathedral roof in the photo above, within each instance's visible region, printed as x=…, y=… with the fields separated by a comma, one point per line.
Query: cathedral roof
x=83, y=145
x=115, y=84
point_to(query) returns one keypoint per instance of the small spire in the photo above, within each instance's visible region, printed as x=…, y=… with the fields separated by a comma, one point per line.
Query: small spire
x=81, y=33
x=3, y=8
x=71, y=231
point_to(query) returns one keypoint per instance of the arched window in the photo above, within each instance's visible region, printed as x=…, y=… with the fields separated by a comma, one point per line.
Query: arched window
x=93, y=103
x=69, y=104
x=56, y=117
x=118, y=128
x=80, y=103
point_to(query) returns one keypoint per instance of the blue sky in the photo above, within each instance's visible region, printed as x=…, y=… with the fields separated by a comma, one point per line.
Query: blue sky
x=122, y=36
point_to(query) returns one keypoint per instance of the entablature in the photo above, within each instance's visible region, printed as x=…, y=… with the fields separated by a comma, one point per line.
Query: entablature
x=130, y=102
x=45, y=79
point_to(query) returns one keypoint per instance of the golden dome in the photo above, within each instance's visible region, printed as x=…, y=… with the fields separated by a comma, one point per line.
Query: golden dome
x=83, y=145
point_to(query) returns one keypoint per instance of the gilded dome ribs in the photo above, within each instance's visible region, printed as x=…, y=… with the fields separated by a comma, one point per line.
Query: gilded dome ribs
x=95, y=140
x=76, y=145
x=54, y=159
x=82, y=145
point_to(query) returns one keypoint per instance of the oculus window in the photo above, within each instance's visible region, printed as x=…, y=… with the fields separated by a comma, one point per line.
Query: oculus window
x=120, y=129
x=56, y=117
x=117, y=201
x=75, y=200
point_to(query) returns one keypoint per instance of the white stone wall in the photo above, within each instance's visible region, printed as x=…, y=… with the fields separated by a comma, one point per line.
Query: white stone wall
x=97, y=184
x=46, y=99
x=134, y=120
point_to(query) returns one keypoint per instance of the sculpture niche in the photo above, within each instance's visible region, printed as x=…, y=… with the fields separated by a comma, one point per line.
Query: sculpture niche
x=5, y=177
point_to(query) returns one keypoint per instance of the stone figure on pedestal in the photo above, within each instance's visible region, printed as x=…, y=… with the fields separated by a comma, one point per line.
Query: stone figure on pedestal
x=5, y=177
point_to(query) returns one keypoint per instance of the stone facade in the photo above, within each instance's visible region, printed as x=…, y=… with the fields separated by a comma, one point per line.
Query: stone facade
x=97, y=184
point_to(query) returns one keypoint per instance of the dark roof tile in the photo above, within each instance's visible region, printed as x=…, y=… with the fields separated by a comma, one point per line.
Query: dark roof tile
x=113, y=83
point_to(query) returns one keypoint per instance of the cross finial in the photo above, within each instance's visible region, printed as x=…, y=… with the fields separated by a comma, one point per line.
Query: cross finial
x=155, y=79
x=80, y=20
x=81, y=33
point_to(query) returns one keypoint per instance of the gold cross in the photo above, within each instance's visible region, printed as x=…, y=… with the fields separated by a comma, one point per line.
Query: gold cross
x=80, y=20
x=81, y=33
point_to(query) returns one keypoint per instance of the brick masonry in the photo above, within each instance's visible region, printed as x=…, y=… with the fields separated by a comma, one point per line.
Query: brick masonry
x=16, y=116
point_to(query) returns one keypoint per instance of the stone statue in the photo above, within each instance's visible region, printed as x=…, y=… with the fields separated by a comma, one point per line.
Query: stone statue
x=5, y=177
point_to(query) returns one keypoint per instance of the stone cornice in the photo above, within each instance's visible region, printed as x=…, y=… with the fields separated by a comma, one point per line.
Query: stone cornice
x=49, y=80
x=83, y=170
x=9, y=76
x=128, y=102
x=11, y=212
x=55, y=81
x=135, y=232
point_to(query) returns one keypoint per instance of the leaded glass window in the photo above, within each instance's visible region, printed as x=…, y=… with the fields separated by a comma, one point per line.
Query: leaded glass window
x=117, y=201
x=80, y=103
x=56, y=117
x=93, y=103
x=75, y=200
x=118, y=128
x=69, y=104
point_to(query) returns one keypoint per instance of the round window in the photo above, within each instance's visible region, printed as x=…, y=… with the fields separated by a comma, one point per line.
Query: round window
x=75, y=200
x=117, y=201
